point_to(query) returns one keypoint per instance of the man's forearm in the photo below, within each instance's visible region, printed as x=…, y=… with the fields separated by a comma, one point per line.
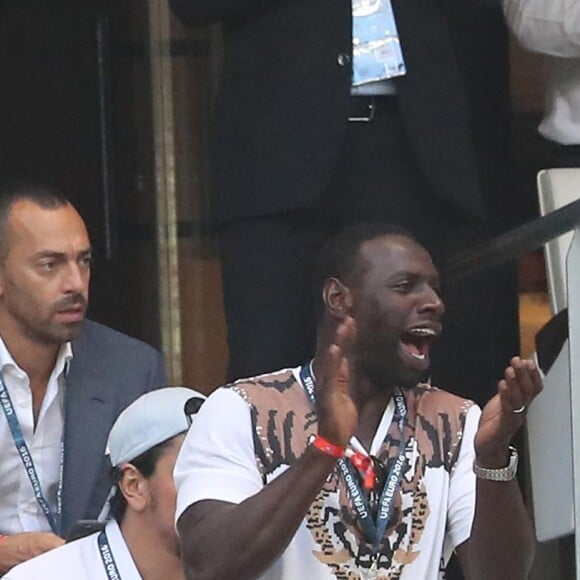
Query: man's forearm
x=8, y=555
x=241, y=541
x=22, y=547
x=502, y=542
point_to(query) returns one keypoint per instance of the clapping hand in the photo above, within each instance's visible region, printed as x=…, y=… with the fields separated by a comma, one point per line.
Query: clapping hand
x=504, y=414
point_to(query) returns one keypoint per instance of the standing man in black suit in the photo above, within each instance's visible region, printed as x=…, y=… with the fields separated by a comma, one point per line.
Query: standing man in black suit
x=63, y=379
x=309, y=138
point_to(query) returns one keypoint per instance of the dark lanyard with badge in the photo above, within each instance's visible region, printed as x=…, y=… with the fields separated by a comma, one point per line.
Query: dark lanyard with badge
x=28, y=463
x=373, y=529
x=107, y=557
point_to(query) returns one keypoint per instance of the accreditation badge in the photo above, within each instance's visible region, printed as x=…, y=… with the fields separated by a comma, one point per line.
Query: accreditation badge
x=377, y=53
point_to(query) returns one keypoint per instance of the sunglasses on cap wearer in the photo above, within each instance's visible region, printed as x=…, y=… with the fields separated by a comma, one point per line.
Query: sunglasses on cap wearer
x=192, y=406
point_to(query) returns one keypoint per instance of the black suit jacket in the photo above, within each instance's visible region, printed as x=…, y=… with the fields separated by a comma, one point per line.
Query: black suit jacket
x=108, y=371
x=281, y=112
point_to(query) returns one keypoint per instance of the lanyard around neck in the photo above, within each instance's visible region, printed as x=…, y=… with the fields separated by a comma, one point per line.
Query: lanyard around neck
x=373, y=530
x=28, y=463
x=107, y=557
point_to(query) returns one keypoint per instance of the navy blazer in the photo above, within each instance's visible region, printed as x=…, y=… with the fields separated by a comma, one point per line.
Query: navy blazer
x=108, y=371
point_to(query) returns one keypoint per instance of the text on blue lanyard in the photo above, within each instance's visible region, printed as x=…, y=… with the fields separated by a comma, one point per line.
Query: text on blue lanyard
x=107, y=557
x=26, y=458
x=373, y=531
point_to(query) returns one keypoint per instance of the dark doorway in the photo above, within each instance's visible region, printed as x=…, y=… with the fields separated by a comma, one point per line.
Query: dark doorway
x=75, y=111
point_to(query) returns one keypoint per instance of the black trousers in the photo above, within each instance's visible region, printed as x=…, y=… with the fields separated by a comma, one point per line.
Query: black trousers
x=267, y=265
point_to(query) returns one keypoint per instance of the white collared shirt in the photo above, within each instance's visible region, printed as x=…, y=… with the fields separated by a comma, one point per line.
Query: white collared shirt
x=552, y=27
x=19, y=509
x=78, y=560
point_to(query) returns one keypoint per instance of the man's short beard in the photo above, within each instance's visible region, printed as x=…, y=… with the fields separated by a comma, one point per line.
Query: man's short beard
x=50, y=339
x=387, y=373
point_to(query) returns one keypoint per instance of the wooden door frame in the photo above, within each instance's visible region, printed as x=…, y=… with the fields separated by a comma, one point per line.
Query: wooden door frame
x=165, y=187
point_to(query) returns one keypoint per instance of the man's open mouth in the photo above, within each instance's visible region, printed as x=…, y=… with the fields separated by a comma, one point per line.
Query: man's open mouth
x=416, y=343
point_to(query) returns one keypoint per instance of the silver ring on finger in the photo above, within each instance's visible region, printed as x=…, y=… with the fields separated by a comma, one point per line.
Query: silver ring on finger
x=520, y=410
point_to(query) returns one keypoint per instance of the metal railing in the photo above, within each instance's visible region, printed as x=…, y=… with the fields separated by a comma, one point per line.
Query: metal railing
x=513, y=244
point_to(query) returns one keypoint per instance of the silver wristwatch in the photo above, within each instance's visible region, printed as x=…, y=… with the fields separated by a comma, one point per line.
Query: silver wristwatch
x=503, y=473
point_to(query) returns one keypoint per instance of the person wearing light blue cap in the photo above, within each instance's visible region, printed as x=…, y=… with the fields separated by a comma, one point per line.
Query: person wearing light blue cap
x=140, y=541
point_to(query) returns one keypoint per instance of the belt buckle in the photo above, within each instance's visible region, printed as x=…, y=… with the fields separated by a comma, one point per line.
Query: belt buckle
x=371, y=113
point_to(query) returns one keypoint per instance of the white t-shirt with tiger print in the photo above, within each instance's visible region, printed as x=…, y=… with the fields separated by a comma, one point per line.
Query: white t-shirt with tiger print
x=248, y=433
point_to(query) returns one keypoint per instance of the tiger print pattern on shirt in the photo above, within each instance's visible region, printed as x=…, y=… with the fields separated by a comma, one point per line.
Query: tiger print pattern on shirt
x=284, y=419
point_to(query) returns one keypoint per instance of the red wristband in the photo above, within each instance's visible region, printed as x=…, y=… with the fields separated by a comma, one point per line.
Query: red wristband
x=364, y=464
x=327, y=447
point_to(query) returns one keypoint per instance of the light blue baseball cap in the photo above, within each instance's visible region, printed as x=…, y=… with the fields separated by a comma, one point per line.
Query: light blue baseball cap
x=150, y=420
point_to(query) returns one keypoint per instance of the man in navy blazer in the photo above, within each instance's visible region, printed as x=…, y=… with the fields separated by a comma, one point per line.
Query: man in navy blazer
x=63, y=379
x=109, y=370
x=298, y=154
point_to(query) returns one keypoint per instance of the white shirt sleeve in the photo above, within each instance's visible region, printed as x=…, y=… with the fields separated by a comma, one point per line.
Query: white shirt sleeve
x=217, y=458
x=461, y=506
x=548, y=26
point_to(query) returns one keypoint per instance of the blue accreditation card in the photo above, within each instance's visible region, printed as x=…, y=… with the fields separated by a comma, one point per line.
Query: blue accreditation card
x=377, y=53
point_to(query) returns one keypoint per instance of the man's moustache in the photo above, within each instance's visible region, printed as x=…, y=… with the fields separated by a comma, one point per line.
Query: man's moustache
x=68, y=302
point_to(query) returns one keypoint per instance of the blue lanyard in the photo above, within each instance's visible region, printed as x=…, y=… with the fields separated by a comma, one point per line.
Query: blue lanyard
x=26, y=458
x=107, y=557
x=373, y=531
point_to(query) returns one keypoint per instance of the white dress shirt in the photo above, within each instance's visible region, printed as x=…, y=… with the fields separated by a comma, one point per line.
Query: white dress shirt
x=19, y=509
x=552, y=27
x=79, y=560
